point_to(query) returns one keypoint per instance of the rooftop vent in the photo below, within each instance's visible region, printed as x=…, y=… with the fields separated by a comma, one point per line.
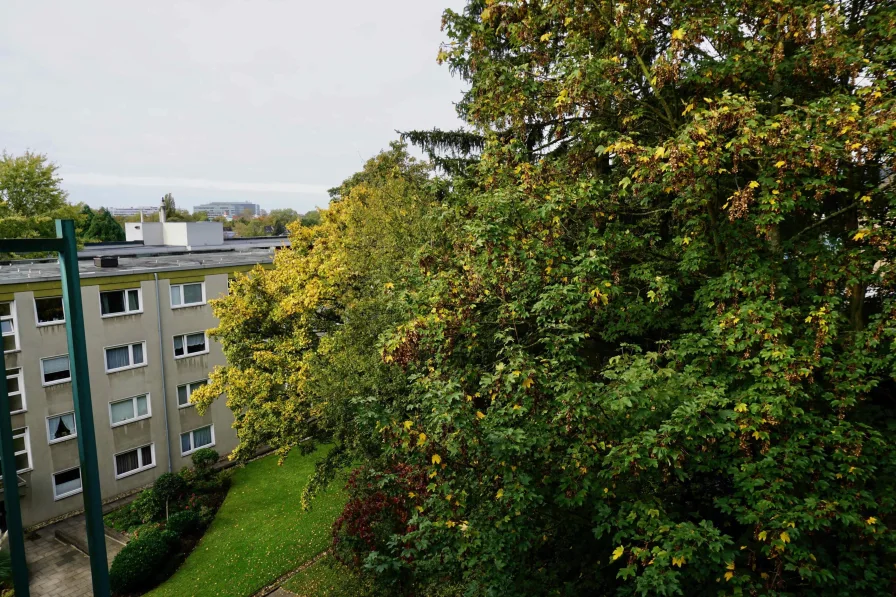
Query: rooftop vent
x=106, y=261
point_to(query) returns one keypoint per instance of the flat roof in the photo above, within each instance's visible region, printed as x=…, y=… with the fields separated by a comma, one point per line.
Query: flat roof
x=159, y=259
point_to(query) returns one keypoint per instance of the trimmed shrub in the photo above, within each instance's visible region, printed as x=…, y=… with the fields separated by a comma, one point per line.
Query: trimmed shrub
x=5, y=568
x=169, y=487
x=148, y=506
x=140, y=563
x=184, y=523
x=204, y=459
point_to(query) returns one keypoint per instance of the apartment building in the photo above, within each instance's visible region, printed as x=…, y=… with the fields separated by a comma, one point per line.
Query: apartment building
x=146, y=319
x=228, y=208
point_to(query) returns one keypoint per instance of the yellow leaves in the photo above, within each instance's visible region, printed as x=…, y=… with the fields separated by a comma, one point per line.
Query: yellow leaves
x=678, y=34
x=687, y=109
x=757, y=435
x=408, y=424
x=780, y=164
x=389, y=285
x=753, y=184
x=421, y=439
x=480, y=415
x=617, y=553
x=546, y=36
x=729, y=566
x=871, y=520
x=660, y=152
x=678, y=562
x=865, y=199
x=500, y=494
x=785, y=537
x=436, y=459
x=450, y=524
x=527, y=383
x=763, y=535
x=740, y=408
x=411, y=494
x=420, y=509
x=729, y=576
x=861, y=234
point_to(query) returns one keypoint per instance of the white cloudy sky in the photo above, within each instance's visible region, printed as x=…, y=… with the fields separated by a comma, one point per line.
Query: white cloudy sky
x=272, y=101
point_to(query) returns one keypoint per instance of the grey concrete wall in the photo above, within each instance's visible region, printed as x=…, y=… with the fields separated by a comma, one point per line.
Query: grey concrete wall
x=35, y=342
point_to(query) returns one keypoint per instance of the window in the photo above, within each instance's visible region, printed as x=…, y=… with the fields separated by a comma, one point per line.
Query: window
x=120, y=302
x=125, y=357
x=55, y=370
x=185, y=391
x=129, y=409
x=61, y=427
x=16, y=389
x=66, y=483
x=8, y=327
x=198, y=438
x=188, y=344
x=49, y=310
x=134, y=461
x=21, y=447
x=187, y=295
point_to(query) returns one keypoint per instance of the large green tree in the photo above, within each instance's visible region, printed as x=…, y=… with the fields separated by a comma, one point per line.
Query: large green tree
x=29, y=185
x=104, y=227
x=659, y=355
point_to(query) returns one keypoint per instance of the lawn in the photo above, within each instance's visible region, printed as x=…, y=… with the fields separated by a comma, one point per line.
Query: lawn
x=327, y=578
x=260, y=532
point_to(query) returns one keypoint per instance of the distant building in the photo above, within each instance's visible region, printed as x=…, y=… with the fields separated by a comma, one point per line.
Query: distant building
x=132, y=211
x=228, y=209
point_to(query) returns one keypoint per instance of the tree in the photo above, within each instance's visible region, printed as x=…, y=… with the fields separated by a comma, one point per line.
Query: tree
x=29, y=185
x=104, y=227
x=281, y=218
x=169, y=206
x=657, y=357
x=311, y=218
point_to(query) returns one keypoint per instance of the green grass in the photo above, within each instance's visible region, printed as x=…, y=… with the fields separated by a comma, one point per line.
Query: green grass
x=260, y=532
x=327, y=578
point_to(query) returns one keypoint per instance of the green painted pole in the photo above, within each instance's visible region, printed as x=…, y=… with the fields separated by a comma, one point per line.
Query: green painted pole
x=77, y=350
x=11, y=492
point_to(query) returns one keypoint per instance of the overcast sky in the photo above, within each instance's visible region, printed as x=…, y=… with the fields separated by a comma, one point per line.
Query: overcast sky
x=272, y=101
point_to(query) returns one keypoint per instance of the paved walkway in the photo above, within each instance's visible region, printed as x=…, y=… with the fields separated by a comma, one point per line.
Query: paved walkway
x=58, y=569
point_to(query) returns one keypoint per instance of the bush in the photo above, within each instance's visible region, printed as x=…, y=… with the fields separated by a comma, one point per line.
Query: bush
x=204, y=459
x=184, y=523
x=169, y=487
x=148, y=506
x=5, y=568
x=140, y=564
x=123, y=519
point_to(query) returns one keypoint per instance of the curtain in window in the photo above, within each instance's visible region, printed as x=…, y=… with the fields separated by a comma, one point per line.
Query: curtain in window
x=138, y=354
x=133, y=300
x=202, y=437
x=62, y=426
x=56, y=368
x=185, y=442
x=117, y=357
x=6, y=324
x=127, y=462
x=195, y=343
x=122, y=411
x=146, y=455
x=142, y=406
x=68, y=481
x=192, y=293
x=183, y=397
x=178, y=346
x=175, y=296
x=112, y=302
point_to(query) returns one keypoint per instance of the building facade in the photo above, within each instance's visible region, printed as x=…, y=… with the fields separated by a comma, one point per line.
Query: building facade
x=132, y=211
x=228, y=209
x=146, y=323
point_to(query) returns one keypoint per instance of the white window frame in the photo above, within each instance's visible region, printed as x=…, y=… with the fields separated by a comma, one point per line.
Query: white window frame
x=15, y=326
x=193, y=447
x=126, y=311
x=137, y=417
x=27, y=436
x=56, y=498
x=21, y=390
x=130, y=347
x=181, y=287
x=43, y=381
x=139, y=469
x=190, y=391
x=184, y=340
x=74, y=435
x=43, y=324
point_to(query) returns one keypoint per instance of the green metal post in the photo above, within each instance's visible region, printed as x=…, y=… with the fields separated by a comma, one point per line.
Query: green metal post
x=77, y=350
x=11, y=491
